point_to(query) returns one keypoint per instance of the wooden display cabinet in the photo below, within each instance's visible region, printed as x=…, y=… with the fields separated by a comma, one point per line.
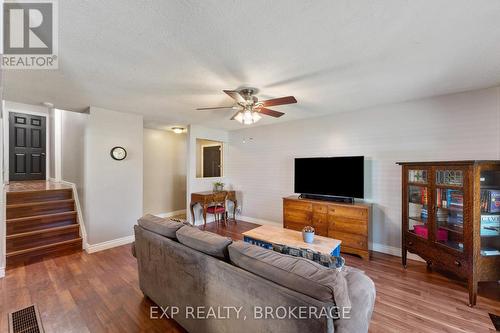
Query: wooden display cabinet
x=451, y=218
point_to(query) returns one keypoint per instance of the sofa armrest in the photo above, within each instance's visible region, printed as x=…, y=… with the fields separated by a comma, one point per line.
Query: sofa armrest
x=362, y=294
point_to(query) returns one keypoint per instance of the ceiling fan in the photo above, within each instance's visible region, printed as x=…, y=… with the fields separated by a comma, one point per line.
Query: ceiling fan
x=250, y=108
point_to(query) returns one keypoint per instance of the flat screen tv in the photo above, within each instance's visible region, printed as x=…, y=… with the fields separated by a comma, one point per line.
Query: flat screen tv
x=330, y=176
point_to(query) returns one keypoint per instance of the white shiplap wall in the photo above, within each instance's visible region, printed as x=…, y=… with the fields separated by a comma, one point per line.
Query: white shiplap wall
x=460, y=126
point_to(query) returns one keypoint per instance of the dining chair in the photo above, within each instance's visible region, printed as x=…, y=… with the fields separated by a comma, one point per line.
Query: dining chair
x=218, y=207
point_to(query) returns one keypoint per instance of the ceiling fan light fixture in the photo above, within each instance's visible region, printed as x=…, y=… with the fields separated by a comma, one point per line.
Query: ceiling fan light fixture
x=239, y=117
x=256, y=116
x=247, y=117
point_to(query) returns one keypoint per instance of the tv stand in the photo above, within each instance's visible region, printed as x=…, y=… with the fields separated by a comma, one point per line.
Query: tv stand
x=347, y=222
x=327, y=198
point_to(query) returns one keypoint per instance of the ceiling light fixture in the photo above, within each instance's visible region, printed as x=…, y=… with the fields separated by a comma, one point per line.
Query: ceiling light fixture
x=248, y=116
x=177, y=130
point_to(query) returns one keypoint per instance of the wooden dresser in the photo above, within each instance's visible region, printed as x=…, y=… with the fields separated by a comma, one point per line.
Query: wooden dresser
x=348, y=222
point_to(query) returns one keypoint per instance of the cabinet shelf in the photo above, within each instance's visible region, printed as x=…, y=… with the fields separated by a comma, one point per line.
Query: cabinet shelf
x=452, y=208
x=449, y=186
x=452, y=228
x=421, y=184
x=418, y=219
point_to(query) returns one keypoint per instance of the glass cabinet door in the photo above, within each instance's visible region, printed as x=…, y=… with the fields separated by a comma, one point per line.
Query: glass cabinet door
x=490, y=212
x=449, y=204
x=418, y=202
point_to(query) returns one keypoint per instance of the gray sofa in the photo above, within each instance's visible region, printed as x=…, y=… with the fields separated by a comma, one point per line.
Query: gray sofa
x=196, y=275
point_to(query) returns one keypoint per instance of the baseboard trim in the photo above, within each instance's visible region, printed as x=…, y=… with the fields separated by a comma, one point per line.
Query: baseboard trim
x=259, y=221
x=392, y=250
x=92, y=248
x=170, y=214
x=2, y=272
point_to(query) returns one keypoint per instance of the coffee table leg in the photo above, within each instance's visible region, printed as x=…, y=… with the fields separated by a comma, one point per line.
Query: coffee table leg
x=336, y=252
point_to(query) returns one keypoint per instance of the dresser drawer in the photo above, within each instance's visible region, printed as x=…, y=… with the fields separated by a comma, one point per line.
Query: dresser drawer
x=349, y=240
x=348, y=225
x=296, y=215
x=320, y=219
x=294, y=225
x=320, y=223
x=297, y=205
x=438, y=256
x=350, y=212
x=456, y=264
x=321, y=209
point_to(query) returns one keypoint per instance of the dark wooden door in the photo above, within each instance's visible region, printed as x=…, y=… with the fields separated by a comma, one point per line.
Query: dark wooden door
x=212, y=161
x=26, y=147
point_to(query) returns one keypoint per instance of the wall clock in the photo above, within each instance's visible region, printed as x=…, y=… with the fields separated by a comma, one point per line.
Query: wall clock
x=118, y=153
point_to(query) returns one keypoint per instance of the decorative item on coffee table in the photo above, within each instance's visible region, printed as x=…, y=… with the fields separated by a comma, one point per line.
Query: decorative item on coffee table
x=308, y=234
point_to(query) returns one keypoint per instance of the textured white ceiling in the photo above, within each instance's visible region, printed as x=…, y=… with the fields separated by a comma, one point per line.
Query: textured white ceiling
x=165, y=58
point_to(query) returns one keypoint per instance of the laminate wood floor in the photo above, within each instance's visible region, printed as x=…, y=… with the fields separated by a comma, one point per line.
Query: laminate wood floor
x=99, y=292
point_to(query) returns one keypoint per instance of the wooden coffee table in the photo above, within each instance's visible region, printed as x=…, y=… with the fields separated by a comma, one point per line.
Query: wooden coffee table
x=267, y=235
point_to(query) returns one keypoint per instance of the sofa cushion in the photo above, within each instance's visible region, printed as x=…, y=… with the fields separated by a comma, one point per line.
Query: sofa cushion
x=160, y=225
x=299, y=274
x=204, y=241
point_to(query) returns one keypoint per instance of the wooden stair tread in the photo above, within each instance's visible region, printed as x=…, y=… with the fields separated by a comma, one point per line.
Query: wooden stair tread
x=45, y=216
x=42, y=247
x=43, y=231
x=39, y=203
x=69, y=189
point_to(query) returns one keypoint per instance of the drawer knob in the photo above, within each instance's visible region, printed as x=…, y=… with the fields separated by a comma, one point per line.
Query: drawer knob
x=410, y=243
x=458, y=263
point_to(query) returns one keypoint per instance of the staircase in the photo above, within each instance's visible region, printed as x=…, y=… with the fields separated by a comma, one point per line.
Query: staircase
x=40, y=222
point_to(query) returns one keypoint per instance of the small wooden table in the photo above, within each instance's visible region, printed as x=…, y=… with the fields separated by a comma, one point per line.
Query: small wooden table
x=267, y=235
x=206, y=198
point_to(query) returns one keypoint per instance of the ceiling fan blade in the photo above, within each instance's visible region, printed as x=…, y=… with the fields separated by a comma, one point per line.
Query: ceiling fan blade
x=279, y=101
x=216, y=108
x=234, y=94
x=270, y=112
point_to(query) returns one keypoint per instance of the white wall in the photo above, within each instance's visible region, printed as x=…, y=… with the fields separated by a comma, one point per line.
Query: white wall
x=72, y=150
x=51, y=143
x=454, y=127
x=113, y=189
x=164, y=171
x=194, y=184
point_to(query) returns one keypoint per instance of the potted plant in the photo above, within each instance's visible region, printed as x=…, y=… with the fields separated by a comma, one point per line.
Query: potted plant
x=218, y=186
x=308, y=234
